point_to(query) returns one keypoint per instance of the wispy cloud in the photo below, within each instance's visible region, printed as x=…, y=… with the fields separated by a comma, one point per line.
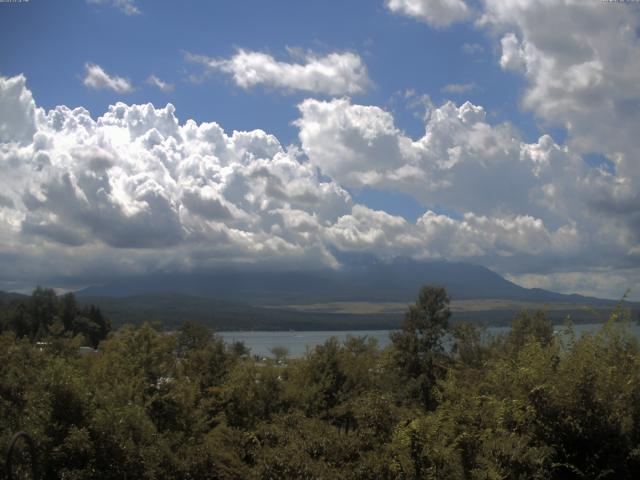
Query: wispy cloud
x=95, y=77
x=160, y=84
x=459, y=88
x=128, y=7
x=342, y=73
x=472, y=49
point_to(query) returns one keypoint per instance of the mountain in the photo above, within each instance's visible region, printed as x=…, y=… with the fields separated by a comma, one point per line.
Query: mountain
x=370, y=281
x=364, y=294
x=6, y=297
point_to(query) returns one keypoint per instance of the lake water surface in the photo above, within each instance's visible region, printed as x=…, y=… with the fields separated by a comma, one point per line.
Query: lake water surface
x=297, y=343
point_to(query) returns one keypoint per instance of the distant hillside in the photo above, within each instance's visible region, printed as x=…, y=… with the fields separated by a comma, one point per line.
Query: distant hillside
x=10, y=296
x=324, y=300
x=397, y=281
x=364, y=295
x=170, y=310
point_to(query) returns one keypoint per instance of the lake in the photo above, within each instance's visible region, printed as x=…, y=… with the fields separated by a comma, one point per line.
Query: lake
x=261, y=343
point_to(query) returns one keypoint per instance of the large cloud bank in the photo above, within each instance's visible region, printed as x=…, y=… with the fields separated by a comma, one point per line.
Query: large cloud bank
x=516, y=199
x=581, y=63
x=137, y=191
x=134, y=189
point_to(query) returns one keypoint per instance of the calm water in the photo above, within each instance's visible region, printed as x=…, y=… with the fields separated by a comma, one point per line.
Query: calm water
x=260, y=343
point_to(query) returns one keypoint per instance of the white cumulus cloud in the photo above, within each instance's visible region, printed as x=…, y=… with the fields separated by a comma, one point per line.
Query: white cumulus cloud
x=582, y=64
x=460, y=154
x=531, y=203
x=581, y=61
x=17, y=116
x=96, y=78
x=338, y=73
x=437, y=13
x=135, y=190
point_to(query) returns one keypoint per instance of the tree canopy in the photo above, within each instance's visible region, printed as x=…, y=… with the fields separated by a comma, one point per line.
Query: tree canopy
x=46, y=315
x=439, y=402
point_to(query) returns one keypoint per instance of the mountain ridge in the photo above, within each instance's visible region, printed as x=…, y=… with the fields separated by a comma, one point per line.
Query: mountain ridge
x=396, y=281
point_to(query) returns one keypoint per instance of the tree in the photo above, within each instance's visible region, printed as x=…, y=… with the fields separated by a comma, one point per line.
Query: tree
x=527, y=326
x=44, y=309
x=193, y=336
x=92, y=324
x=239, y=350
x=203, y=355
x=469, y=346
x=279, y=353
x=417, y=349
x=68, y=310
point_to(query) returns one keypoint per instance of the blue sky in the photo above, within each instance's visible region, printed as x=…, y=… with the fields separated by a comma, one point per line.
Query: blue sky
x=56, y=39
x=540, y=163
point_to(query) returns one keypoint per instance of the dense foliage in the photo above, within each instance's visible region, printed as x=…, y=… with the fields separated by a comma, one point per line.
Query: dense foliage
x=44, y=315
x=528, y=404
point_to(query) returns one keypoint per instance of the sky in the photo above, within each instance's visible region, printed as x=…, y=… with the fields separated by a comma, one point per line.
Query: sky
x=140, y=137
